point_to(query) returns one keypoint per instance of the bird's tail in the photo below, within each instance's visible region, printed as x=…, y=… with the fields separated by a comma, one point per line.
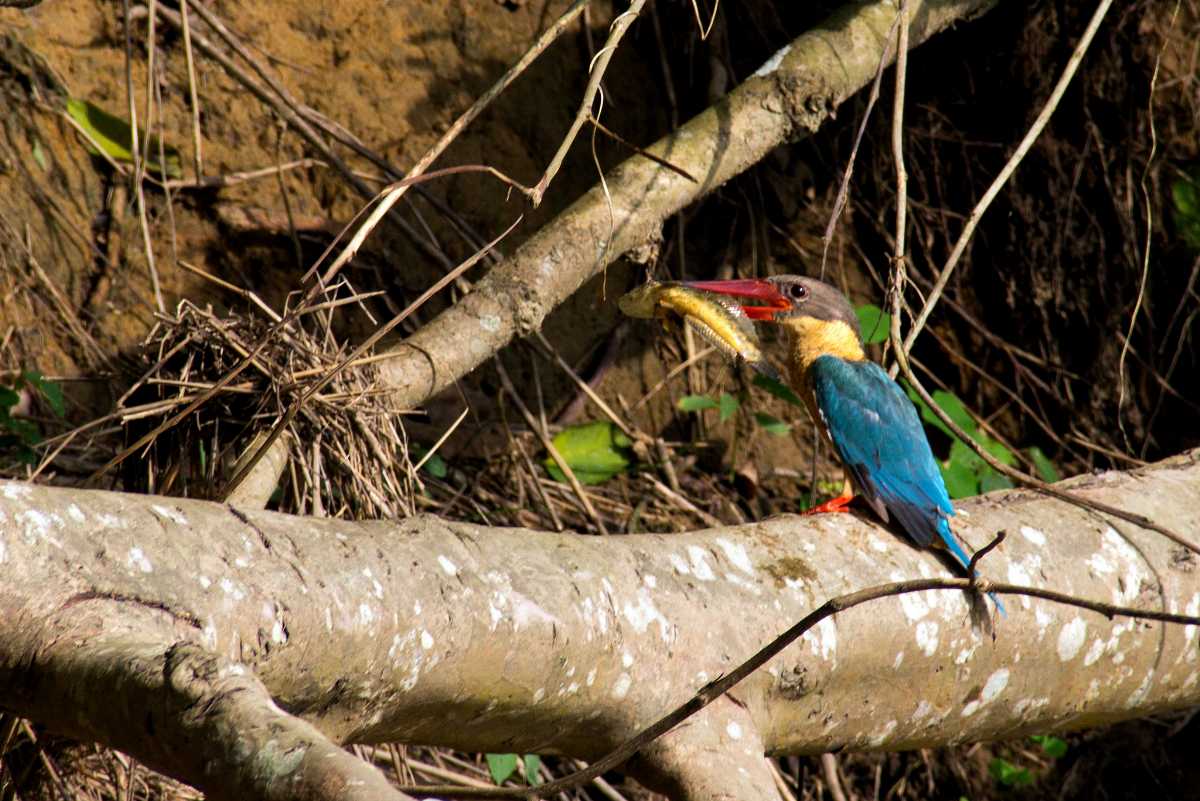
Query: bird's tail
x=951, y=542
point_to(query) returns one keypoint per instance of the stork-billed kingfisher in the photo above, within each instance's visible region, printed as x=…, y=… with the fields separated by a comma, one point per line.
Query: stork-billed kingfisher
x=864, y=414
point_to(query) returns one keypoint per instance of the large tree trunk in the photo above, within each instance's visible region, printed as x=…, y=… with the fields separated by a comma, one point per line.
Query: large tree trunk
x=160, y=626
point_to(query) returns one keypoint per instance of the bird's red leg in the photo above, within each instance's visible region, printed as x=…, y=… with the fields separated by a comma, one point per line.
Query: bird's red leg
x=837, y=504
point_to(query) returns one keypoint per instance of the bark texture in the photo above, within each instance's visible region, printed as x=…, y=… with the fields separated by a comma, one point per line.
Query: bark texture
x=161, y=625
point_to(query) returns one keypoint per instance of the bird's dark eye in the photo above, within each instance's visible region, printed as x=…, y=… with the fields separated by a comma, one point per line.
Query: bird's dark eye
x=798, y=291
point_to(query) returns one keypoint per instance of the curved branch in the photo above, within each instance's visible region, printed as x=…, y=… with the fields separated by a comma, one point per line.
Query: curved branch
x=788, y=98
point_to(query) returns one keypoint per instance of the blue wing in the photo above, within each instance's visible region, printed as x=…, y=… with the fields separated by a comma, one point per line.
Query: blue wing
x=876, y=432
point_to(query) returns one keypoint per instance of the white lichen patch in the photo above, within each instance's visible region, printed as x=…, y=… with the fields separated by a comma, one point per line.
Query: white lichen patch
x=1094, y=652
x=679, y=564
x=448, y=567
x=426, y=640
x=698, y=562
x=733, y=730
x=880, y=735
x=489, y=323
x=994, y=685
x=1027, y=707
x=1071, y=638
x=1033, y=535
x=621, y=686
x=627, y=659
x=735, y=552
x=876, y=544
x=3, y=552
x=650, y=581
x=1189, y=631
x=174, y=515
x=37, y=525
x=965, y=654
x=898, y=661
x=526, y=612
x=105, y=520
x=16, y=491
x=772, y=63
x=75, y=513
x=591, y=677
x=924, y=708
x=231, y=589
x=1137, y=695
x=1043, y=620
x=366, y=615
x=1100, y=564
x=927, y=637
x=912, y=603
x=137, y=560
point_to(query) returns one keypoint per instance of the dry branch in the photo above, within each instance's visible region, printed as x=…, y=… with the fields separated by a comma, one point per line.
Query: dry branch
x=513, y=640
x=788, y=98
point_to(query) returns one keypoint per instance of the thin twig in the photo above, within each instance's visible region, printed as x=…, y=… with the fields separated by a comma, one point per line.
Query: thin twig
x=595, y=75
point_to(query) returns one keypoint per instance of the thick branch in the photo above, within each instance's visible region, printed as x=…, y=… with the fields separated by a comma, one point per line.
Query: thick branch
x=793, y=93
x=514, y=640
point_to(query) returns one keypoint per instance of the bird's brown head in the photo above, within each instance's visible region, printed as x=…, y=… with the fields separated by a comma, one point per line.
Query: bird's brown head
x=818, y=318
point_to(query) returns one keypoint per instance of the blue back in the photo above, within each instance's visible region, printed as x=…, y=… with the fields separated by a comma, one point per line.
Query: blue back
x=879, y=437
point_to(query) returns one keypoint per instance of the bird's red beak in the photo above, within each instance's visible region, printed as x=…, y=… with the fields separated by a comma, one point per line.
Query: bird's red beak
x=759, y=289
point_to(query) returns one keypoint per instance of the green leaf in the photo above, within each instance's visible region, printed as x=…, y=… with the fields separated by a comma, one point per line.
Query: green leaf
x=961, y=480
x=8, y=399
x=1046, y=469
x=595, y=452
x=729, y=406
x=114, y=136
x=501, y=766
x=49, y=390
x=991, y=481
x=435, y=465
x=874, y=323
x=1009, y=774
x=696, y=403
x=1054, y=747
x=533, y=763
x=955, y=410
x=773, y=425
x=1185, y=194
x=777, y=389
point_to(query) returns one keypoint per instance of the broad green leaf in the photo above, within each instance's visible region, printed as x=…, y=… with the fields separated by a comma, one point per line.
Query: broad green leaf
x=501, y=766
x=533, y=763
x=961, y=480
x=777, y=389
x=697, y=403
x=772, y=425
x=874, y=323
x=991, y=481
x=8, y=399
x=996, y=449
x=48, y=389
x=595, y=452
x=435, y=466
x=1054, y=747
x=729, y=406
x=115, y=137
x=1046, y=469
x=955, y=410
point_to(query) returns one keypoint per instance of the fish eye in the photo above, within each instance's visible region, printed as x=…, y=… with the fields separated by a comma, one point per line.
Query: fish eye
x=797, y=291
